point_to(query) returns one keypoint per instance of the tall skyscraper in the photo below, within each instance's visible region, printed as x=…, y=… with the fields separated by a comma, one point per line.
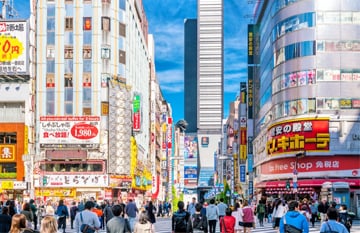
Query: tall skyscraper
x=209, y=87
x=306, y=98
x=190, y=74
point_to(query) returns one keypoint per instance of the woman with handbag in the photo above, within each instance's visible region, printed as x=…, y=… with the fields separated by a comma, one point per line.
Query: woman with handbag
x=62, y=213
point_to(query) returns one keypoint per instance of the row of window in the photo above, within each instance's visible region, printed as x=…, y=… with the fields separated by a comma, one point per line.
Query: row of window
x=309, y=77
x=292, y=51
x=87, y=53
x=311, y=105
x=338, y=45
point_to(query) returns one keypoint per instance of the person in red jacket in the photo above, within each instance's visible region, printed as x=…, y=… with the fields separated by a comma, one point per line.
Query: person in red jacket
x=228, y=222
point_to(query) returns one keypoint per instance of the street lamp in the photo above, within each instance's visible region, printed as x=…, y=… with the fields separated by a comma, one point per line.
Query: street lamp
x=295, y=173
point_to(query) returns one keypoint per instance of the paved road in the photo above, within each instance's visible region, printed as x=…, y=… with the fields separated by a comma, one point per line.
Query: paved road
x=163, y=225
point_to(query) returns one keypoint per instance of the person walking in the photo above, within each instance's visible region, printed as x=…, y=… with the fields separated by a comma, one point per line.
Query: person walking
x=238, y=214
x=260, y=210
x=5, y=220
x=34, y=211
x=87, y=217
x=18, y=224
x=269, y=210
x=191, y=206
x=108, y=214
x=322, y=209
x=131, y=210
x=248, y=217
x=228, y=222
x=314, y=213
x=294, y=219
x=279, y=210
x=332, y=225
x=199, y=220
x=344, y=217
x=73, y=212
x=62, y=213
x=212, y=215
x=117, y=223
x=28, y=214
x=144, y=225
x=180, y=221
x=48, y=225
x=151, y=210
x=49, y=209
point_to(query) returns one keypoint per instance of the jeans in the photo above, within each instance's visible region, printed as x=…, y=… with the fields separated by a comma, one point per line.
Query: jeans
x=212, y=225
x=132, y=223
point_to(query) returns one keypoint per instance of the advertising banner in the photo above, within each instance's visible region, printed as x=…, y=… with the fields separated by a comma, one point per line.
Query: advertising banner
x=7, y=152
x=136, y=113
x=190, y=148
x=14, y=53
x=76, y=180
x=299, y=135
x=69, y=129
x=190, y=172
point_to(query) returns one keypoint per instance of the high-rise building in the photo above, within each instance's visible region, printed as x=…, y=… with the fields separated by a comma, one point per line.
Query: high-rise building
x=92, y=83
x=209, y=87
x=190, y=74
x=303, y=61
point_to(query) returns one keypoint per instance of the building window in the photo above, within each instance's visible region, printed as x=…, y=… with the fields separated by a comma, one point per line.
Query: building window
x=87, y=23
x=8, y=138
x=68, y=80
x=68, y=66
x=86, y=53
x=122, y=29
x=122, y=57
x=105, y=24
x=50, y=52
x=69, y=24
x=87, y=111
x=50, y=80
x=105, y=53
x=50, y=66
x=50, y=101
x=106, y=1
x=68, y=94
x=68, y=53
x=87, y=37
x=86, y=80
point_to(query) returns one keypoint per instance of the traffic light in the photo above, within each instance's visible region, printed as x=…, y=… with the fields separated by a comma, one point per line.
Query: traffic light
x=287, y=184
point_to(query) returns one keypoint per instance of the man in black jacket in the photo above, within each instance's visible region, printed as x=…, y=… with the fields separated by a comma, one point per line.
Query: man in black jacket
x=322, y=209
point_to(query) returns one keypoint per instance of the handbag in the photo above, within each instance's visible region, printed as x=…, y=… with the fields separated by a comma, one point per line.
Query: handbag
x=86, y=228
x=290, y=228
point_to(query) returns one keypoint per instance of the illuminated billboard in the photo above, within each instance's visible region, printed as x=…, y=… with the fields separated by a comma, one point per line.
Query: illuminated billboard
x=14, y=48
x=299, y=135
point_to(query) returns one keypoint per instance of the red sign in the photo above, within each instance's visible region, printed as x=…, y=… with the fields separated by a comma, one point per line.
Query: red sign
x=299, y=135
x=84, y=131
x=310, y=164
x=136, y=121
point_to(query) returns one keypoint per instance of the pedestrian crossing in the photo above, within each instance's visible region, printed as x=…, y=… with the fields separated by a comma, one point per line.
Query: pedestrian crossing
x=163, y=225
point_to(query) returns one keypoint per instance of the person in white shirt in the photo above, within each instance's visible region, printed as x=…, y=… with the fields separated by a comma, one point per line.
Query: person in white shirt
x=238, y=214
x=279, y=211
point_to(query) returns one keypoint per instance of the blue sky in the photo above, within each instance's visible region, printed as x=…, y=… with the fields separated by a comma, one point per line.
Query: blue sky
x=166, y=23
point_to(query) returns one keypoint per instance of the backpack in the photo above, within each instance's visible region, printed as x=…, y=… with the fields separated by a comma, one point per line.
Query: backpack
x=180, y=221
x=261, y=208
x=290, y=228
x=329, y=229
x=198, y=221
x=345, y=219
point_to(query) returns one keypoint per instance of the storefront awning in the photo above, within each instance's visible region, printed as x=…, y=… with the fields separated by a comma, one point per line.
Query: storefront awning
x=306, y=183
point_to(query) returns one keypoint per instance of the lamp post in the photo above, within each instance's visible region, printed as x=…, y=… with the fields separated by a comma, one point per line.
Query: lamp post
x=295, y=173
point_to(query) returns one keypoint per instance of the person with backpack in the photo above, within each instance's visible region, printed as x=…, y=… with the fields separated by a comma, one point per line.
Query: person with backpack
x=180, y=221
x=293, y=220
x=344, y=217
x=199, y=220
x=260, y=210
x=332, y=225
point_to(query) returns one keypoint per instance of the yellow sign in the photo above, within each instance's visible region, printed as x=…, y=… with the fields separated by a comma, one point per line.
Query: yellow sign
x=26, y=141
x=56, y=192
x=7, y=152
x=7, y=184
x=10, y=48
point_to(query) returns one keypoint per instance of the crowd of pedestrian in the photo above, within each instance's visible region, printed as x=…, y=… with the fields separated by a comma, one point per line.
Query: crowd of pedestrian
x=243, y=216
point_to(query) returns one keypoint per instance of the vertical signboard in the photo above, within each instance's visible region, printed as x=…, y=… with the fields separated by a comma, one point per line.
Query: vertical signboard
x=14, y=57
x=136, y=113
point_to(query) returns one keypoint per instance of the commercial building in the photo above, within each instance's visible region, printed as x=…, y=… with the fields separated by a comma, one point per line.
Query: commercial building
x=209, y=88
x=93, y=96
x=305, y=76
